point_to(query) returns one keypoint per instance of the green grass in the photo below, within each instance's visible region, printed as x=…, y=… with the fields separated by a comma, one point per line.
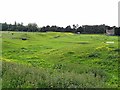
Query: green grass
x=56, y=59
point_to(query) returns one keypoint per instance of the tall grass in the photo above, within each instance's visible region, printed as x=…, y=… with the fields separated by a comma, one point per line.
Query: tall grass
x=16, y=75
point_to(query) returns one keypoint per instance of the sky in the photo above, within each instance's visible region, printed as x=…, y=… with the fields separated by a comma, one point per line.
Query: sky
x=119, y=14
x=60, y=12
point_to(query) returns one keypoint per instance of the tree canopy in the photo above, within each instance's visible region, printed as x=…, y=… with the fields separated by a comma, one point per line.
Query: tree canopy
x=33, y=27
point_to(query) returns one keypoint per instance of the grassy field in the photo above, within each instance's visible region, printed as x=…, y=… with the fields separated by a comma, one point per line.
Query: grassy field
x=59, y=60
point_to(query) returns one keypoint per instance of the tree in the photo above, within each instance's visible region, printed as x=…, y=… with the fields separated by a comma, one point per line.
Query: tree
x=79, y=29
x=117, y=31
x=5, y=26
x=68, y=29
x=32, y=27
x=75, y=26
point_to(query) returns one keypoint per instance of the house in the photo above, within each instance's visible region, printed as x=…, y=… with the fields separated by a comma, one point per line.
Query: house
x=78, y=32
x=110, y=31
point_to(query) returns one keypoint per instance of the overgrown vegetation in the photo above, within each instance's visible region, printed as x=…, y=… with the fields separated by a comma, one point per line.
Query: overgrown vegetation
x=68, y=61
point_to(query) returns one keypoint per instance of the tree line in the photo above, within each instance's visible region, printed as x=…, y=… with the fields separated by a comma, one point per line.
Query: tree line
x=85, y=29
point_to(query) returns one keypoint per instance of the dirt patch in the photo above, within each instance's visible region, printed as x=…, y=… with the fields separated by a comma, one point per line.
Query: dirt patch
x=79, y=42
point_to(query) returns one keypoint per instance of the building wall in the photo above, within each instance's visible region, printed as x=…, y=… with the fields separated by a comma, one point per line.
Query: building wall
x=110, y=32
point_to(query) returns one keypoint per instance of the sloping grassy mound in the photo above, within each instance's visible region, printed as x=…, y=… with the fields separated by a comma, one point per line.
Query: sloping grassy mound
x=59, y=60
x=16, y=75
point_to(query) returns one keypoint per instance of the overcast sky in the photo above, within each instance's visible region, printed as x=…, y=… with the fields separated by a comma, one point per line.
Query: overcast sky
x=60, y=12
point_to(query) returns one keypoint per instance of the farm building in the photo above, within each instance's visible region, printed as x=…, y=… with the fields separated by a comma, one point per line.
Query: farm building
x=110, y=31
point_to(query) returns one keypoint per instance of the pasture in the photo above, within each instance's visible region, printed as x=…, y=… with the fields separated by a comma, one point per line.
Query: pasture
x=59, y=60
